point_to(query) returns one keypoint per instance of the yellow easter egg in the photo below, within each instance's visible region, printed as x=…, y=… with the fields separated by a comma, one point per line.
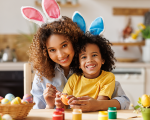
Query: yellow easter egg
x=5, y=101
x=19, y=99
x=16, y=101
x=145, y=100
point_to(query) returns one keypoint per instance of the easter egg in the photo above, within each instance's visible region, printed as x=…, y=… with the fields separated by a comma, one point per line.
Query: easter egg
x=5, y=101
x=9, y=96
x=64, y=99
x=145, y=100
x=24, y=102
x=6, y=117
x=1, y=98
x=16, y=101
x=28, y=98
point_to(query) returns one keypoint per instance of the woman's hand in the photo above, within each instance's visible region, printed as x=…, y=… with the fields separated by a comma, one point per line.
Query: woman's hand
x=50, y=94
x=85, y=103
x=58, y=101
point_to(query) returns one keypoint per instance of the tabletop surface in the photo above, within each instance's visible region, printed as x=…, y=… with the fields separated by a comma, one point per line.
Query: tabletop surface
x=46, y=114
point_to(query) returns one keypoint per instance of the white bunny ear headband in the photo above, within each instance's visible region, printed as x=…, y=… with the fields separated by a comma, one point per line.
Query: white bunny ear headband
x=96, y=27
x=50, y=8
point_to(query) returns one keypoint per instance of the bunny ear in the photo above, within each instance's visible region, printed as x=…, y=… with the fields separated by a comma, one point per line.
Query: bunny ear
x=33, y=15
x=97, y=26
x=51, y=9
x=79, y=20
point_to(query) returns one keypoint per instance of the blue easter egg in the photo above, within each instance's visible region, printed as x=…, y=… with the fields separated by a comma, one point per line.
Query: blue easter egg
x=9, y=96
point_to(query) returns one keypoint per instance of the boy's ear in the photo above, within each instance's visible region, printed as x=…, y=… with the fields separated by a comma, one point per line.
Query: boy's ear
x=103, y=61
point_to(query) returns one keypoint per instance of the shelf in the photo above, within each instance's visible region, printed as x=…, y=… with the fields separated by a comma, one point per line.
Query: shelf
x=68, y=4
x=128, y=44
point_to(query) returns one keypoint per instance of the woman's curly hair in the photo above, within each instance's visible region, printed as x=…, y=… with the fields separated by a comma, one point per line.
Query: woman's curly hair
x=38, y=55
x=104, y=45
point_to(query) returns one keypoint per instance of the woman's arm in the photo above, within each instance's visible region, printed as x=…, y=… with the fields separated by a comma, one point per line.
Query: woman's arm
x=120, y=96
x=37, y=92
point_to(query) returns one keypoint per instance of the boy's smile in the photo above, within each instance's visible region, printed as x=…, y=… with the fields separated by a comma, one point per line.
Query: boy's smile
x=91, y=61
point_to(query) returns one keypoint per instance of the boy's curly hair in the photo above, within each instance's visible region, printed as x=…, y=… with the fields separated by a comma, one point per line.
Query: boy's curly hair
x=105, y=49
x=38, y=55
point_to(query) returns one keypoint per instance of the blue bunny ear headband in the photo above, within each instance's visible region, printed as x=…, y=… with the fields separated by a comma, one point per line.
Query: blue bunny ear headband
x=96, y=27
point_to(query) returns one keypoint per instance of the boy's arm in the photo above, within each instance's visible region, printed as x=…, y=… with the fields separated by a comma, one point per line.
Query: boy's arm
x=107, y=88
x=101, y=97
x=87, y=104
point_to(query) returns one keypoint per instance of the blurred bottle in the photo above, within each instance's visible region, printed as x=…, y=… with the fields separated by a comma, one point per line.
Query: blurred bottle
x=14, y=55
x=7, y=55
x=74, y=2
x=1, y=54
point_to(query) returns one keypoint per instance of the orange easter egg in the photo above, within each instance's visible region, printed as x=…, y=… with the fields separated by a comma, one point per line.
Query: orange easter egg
x=24, y=102
x=64, y=99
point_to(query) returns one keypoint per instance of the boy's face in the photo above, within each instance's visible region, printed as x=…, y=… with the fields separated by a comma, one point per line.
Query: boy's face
x=60, y=50
x=91, y=61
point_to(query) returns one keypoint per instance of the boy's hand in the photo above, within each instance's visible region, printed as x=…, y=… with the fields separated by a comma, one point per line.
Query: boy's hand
x=71, y=98
x=58, y=101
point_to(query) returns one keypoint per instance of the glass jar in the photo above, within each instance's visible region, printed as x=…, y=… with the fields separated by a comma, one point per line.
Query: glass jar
x=61, y=110
x=112, y=113
x=103, y=115
x=77, y=114
x=57, y=115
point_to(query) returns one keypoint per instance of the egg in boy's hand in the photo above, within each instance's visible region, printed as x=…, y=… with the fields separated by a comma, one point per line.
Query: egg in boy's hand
x=64, y=99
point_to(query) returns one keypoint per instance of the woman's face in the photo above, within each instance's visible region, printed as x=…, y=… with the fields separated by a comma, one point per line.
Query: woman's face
x=60, y=50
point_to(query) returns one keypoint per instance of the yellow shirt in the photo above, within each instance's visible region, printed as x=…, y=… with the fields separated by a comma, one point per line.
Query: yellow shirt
x=80, y=86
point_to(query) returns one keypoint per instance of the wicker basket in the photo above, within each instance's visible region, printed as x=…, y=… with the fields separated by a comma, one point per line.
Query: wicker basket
x=16, y=111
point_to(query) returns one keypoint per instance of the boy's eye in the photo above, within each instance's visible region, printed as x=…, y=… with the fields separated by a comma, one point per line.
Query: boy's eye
x=52, y=50
x=64, y=45
x=94, y=55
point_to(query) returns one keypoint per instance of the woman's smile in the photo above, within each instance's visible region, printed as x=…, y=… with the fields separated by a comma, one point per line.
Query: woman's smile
x=64, y=59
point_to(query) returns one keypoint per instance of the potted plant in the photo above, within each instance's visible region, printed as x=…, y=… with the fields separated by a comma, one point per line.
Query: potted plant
x=144, y=106
x=146, y=35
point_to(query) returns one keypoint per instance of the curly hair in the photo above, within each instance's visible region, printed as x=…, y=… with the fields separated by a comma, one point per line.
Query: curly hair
x=104, y=47
x=38, y=55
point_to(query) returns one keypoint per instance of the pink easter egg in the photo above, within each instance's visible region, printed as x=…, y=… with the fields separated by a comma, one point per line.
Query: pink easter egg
x=28, y=98
x=1, y=98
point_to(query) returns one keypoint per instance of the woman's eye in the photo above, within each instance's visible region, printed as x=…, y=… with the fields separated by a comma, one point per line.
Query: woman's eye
x=64, y=45
x=52, y=50
x=83, y=57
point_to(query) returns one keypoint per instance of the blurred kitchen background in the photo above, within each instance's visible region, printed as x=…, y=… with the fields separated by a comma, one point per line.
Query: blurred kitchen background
x=123, y=21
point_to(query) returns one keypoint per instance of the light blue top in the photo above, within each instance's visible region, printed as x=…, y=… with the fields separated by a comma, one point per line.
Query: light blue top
x=59, y=82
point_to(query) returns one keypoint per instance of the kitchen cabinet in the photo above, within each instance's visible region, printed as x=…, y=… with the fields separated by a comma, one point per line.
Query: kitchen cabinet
x=11, y=78
x=145, y=66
